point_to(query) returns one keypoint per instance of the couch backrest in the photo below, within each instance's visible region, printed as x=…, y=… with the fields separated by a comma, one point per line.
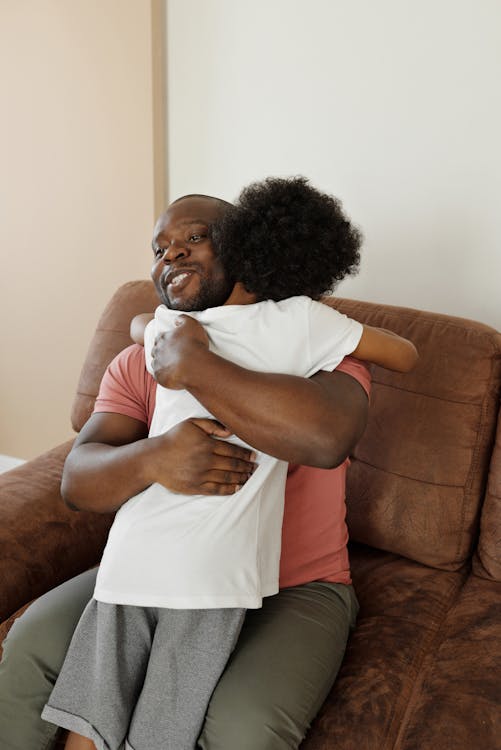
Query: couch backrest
x=111, y=336
x=419, y=474
x=487, y=559
x=418, y=478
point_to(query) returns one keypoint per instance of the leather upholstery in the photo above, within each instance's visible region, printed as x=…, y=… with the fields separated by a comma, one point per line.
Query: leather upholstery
x=487, y=560
x=42, y=542
x=418, y=480
x=111, y=336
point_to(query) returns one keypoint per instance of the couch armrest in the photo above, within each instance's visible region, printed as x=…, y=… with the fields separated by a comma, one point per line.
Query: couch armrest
x=42, y=542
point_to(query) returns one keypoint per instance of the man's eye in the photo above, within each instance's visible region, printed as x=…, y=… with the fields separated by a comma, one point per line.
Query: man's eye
x=158, y=252
x=197, y=237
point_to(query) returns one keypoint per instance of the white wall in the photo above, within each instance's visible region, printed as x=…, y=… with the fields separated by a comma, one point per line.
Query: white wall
x=76, y=195
x=394, y=106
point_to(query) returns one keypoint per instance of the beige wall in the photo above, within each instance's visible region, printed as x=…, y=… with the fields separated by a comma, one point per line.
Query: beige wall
x=76, y=194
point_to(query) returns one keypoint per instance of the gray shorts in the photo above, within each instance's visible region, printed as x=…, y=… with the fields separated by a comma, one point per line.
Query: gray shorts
x=141, y=678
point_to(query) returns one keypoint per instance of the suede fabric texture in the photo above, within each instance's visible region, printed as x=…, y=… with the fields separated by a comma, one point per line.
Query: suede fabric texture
x=420, y=471
x=424, y=511
x=111, y=336
x=402, y=609
x=422, y=670
x=461, y=679
x=487, y=559
x=42, y=542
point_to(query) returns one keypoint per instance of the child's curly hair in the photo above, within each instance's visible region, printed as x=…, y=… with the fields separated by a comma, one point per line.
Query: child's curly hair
x=284, y=238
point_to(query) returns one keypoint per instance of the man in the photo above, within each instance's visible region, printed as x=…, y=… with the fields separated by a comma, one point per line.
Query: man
x=290, y=650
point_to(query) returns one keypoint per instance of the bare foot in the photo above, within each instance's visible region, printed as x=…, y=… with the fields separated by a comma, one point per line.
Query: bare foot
x=77, y=742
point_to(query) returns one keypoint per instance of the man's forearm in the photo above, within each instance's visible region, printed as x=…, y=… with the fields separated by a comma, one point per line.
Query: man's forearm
x=100, y=478
x=314, y=422
x=112, y=461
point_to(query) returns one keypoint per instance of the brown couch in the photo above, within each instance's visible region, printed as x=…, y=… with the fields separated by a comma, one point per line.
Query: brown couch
x=422, y=670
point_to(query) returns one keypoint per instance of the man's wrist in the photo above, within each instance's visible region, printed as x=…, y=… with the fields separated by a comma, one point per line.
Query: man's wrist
x=183, y=366
x=148, y=457
x=193, y=366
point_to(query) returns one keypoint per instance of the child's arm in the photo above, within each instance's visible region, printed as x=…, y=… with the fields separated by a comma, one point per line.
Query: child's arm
x=386, y=349
x=137, y=326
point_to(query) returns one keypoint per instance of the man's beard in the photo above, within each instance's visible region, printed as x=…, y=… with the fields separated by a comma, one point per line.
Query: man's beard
x=211, y=293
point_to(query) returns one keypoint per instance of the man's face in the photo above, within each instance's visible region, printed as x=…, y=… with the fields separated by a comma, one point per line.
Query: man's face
x=186, y=273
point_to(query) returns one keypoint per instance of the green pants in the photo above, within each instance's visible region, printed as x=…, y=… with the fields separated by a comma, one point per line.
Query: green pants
x=287, y=657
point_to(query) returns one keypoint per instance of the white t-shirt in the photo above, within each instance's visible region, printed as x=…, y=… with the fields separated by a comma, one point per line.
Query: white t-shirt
x=197, y=551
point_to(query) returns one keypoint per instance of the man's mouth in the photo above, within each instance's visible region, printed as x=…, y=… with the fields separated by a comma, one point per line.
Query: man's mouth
x=177, y=280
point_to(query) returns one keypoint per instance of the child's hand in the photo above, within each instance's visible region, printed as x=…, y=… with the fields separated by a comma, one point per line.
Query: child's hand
x=137, y=326
x=173, y=349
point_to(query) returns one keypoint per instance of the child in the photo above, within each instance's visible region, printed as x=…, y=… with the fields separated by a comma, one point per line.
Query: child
x=199, y=561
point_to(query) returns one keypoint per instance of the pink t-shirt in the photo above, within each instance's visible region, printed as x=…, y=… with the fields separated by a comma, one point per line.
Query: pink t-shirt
x=314, y=533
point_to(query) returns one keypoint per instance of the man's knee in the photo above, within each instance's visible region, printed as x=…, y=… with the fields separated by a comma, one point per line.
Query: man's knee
x=37, y=641
x=34, y=651
x=246, y=717
x=248, y=721
x=47, y=626
x=25, y=682
x=18, y=640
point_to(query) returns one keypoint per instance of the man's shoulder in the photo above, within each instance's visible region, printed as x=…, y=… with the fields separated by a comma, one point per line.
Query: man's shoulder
x=127, y=387
x=358, y=370
x=130, y=361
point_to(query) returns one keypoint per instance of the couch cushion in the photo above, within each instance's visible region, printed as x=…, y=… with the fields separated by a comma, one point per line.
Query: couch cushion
x=419, y=474
x=43, y=543
x=455, y=704
x=403, y=606
x=111, y=336
x=487, y=560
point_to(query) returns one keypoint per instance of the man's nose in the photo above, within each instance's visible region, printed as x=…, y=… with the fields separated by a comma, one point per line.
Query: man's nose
x=174, y=251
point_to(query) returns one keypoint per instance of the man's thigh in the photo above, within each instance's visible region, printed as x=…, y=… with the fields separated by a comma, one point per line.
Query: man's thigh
x=285, y=662
x=34, y=651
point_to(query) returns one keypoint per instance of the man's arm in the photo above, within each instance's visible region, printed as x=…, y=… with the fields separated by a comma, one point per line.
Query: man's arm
x=113, y=459
x=315, y=422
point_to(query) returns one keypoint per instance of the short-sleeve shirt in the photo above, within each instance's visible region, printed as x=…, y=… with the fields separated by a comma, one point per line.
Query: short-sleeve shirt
x=314, y=533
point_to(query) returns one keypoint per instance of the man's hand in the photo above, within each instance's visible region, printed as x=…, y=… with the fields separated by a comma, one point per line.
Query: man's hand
x=113, y=459
x=192, y=460
x=172, y=351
